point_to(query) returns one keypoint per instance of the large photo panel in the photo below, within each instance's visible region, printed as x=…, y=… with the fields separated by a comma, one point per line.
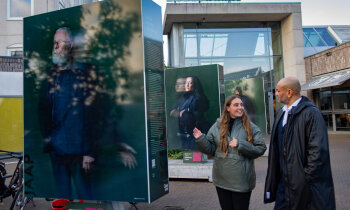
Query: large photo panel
x=84, y=110
x=192, y=100
x=251, y=92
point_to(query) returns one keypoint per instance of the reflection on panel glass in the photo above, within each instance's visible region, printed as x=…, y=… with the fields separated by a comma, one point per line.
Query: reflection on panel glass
x=325, y=100
x=328, y=120
x=341, y=99
x=342, y=122
x=20, y=8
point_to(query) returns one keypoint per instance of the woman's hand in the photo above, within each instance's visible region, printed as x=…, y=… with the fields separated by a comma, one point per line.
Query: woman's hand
x=233, y=143
x=196, y=133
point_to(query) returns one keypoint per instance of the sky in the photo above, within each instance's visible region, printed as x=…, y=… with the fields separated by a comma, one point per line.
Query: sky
x=314, y=12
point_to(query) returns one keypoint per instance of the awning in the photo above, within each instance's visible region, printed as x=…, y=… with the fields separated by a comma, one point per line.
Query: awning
x=327, y=80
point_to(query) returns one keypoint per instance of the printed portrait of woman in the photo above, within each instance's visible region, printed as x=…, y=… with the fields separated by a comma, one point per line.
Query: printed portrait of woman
x=189, y=110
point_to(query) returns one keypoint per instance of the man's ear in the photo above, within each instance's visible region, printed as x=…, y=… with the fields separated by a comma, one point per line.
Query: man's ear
x=290, y=92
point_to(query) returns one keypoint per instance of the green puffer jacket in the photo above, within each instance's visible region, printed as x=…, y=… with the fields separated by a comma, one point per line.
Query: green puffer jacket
x=236, y=171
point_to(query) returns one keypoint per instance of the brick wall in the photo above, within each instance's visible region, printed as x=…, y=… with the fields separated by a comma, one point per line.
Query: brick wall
x=334, y=59
x=11, y=64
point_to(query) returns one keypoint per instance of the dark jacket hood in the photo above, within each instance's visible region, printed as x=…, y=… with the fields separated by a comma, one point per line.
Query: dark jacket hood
x=304, y=103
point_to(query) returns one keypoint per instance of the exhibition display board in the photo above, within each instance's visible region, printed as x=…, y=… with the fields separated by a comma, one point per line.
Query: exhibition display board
x=193, y=96
x=94, y=104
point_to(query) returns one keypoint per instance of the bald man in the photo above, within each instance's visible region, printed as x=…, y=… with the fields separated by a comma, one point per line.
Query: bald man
x=299, y=172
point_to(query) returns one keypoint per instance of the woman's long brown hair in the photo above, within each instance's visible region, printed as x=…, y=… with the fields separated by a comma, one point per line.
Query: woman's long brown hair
x=225, y=123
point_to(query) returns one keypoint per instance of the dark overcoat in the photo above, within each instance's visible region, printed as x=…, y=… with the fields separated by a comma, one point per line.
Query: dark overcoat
x=306, y=161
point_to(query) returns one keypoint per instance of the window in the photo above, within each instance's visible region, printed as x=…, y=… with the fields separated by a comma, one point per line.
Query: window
x=312, y=38
x=190, y=45
x=325, y=100
x=341, y=99
x=317, y=37
x=17, y=9
x=328, y=120
x=342, y=122
x=62, y=4
x=15, y=50
x=237, y=49
x=325, y=36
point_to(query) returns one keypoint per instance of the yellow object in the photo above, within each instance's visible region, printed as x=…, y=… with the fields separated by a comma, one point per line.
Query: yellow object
x=11, y=124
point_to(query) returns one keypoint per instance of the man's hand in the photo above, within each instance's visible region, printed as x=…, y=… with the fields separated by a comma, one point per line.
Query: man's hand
x=128, y=157
x=181, y=112
x=196, y=133
x=233, y=143
x=87, y=163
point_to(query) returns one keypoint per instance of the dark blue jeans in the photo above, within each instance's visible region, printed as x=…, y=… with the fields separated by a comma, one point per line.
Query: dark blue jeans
x=68, y=172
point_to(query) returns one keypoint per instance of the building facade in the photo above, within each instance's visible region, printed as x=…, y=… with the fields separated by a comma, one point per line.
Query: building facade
x=267, y=37
x=328, y=84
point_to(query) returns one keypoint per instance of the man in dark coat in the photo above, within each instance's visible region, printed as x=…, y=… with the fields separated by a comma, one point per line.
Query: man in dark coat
x=299, y=172
x=68, y=116
x=72, y=113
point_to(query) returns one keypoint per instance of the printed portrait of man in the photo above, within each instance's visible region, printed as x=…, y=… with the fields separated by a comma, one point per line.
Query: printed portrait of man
x=85, y=116
x=72, y=107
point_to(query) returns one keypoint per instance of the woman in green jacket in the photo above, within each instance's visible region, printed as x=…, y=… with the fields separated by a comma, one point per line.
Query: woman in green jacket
x=234, y=142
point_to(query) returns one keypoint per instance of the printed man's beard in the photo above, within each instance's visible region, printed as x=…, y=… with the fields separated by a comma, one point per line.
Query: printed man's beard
x=59, y=58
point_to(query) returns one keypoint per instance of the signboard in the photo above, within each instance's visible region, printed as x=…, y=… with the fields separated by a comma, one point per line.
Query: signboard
x=194, y=157
x=94, y=120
